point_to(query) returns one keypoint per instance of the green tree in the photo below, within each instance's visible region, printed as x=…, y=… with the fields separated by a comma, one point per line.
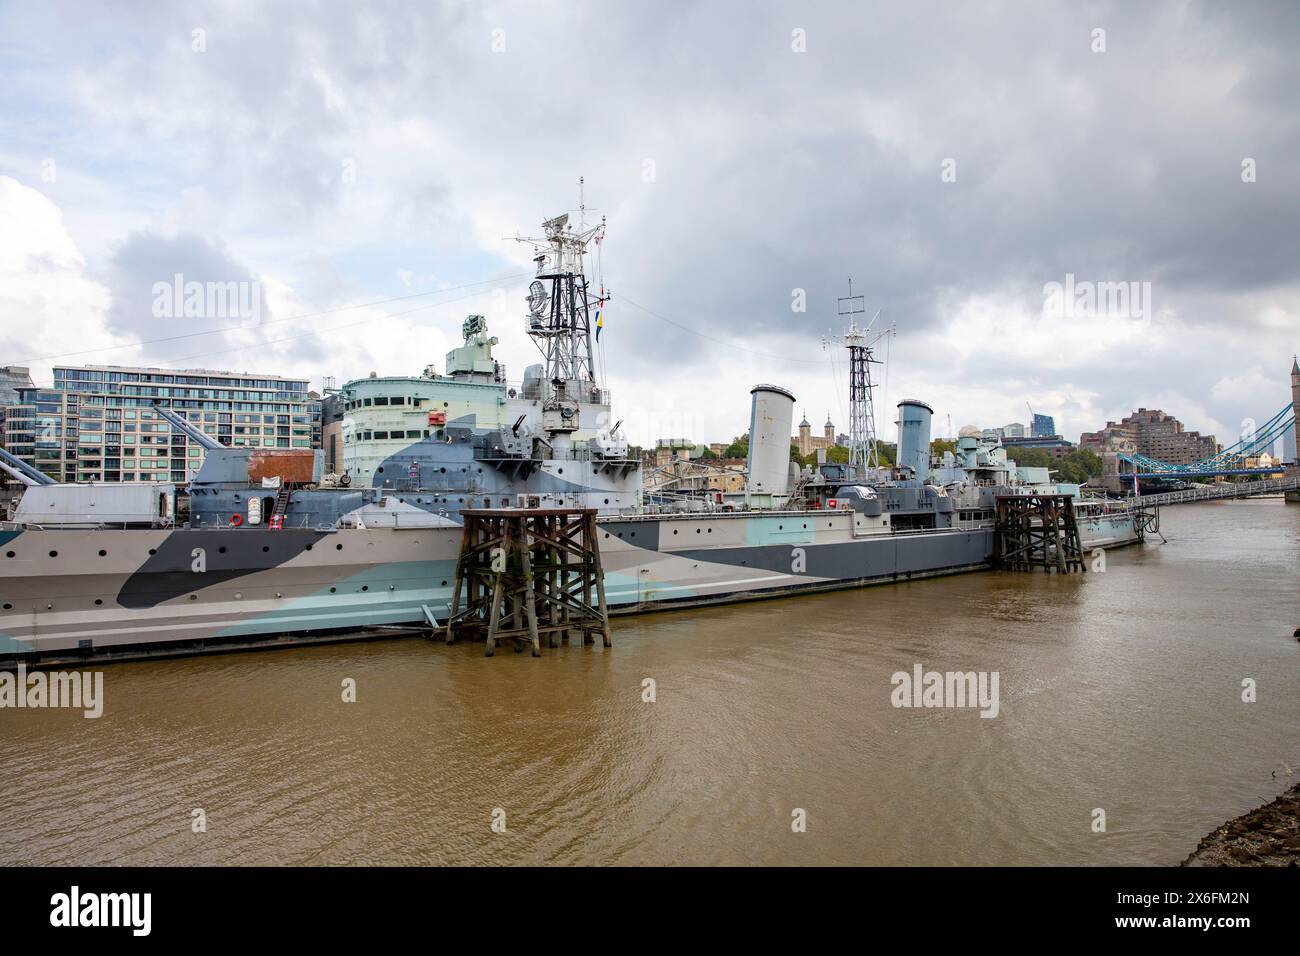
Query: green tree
x=738, y=448
x=1031, y=457
x=1079, y=466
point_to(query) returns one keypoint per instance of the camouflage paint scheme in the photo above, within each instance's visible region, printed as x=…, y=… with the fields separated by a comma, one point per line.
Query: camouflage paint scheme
x=130, y=593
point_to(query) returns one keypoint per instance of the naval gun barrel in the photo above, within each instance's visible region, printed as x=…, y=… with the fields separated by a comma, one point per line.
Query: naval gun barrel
x=21, y=471
x=193, y=431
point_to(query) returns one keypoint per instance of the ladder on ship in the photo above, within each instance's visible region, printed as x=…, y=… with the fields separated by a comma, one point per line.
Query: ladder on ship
x=276, y=521
x=281, y=503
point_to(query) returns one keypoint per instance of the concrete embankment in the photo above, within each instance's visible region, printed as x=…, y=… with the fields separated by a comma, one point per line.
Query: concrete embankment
x=1266, y=836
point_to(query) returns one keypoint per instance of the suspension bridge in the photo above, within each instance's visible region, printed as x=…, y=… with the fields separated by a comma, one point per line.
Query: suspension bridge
x=1239, y=459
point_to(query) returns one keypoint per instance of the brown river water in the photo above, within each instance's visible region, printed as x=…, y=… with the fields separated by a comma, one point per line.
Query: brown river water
x=1119, y=690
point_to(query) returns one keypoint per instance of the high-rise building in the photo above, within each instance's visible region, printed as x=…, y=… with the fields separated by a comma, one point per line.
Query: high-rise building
x=12, y=378
x=1044, y=426
x=1152, y=432
x=97, y=422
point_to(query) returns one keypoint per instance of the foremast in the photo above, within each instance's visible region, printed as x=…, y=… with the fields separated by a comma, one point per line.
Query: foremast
x=560, y=307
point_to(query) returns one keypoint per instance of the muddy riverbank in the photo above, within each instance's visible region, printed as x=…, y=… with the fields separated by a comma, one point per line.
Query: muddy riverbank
x=1266, y=836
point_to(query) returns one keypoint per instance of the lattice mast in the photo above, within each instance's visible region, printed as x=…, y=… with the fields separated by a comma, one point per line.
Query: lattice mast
x=560, y=305
x=863, y=454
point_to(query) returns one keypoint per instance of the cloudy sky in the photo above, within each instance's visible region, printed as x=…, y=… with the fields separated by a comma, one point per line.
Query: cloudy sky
x=363, y=163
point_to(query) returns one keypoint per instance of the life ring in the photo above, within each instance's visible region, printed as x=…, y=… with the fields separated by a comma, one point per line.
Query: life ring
x=236, y=520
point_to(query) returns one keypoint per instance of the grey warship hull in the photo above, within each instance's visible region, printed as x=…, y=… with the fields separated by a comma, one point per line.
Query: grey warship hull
x=96, y=594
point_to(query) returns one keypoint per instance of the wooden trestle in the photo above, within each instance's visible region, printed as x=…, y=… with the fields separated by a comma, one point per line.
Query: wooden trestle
x=528, y=572
x=1037, y=531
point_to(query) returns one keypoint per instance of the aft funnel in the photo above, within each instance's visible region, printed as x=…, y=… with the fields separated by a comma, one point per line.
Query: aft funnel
x=770, y=418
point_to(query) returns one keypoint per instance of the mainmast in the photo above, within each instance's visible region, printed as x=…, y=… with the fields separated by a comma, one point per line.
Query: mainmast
x=862, y=414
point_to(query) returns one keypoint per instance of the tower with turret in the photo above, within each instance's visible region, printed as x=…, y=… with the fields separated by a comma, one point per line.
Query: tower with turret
x=1295, y=410
x=1293, y=497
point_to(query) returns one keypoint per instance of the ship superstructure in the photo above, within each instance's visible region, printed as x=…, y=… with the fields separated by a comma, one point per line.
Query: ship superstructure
x=470, y=438
x=262, y=547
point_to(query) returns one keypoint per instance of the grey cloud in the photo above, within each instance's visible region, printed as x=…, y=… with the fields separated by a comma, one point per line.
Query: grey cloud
x=775, y=170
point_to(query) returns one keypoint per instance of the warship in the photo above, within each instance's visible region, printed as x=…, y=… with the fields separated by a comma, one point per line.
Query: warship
x=263, y=548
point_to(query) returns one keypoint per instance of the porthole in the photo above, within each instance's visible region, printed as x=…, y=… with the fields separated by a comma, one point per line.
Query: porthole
x=103, y=553
x=54, y=554
x=9, y=554
x=697, y=530
x=332, y=590
x=338, y=547
x=561, y=471
x=308, y=548
x=444, y=583
x=153, y=550
x=265, y=548
x=221, y=550
x=98, y=601
x=607, y=534
x=365, y=587
x=606, y=501
x=674, y=530
x=9, y=607
x=194, y=597
x=710, y=531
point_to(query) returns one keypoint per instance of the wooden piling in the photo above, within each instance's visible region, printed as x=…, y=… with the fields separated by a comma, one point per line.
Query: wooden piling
x=540, y=564
x=1037, y=531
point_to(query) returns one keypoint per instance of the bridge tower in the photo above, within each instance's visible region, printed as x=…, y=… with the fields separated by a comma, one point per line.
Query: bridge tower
x=1293, y=496
x=1295, y=410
